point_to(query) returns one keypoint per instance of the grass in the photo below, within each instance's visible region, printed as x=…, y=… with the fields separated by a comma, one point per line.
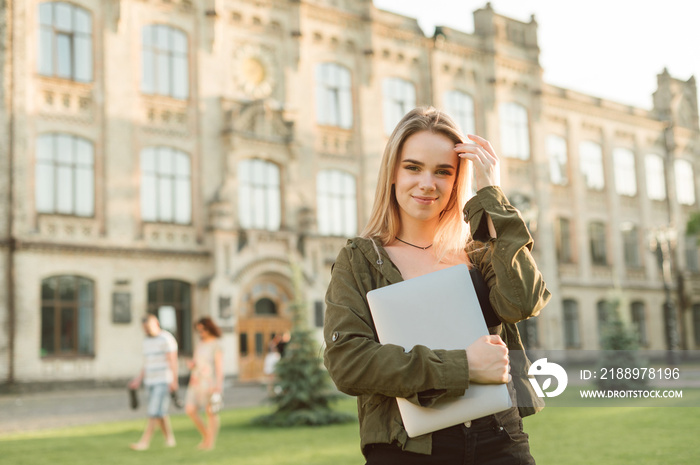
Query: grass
x=568, y=435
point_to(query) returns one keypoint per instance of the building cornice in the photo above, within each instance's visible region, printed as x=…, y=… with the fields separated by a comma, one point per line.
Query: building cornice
x=57, y=247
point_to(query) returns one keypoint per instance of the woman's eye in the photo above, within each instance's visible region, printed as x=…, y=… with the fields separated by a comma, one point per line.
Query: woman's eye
x=444, y=173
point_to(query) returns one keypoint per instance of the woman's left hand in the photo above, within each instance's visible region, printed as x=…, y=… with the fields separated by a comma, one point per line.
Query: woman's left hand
x=487, y=170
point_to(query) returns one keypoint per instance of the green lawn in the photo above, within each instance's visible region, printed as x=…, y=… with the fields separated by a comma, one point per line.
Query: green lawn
x=558, y=435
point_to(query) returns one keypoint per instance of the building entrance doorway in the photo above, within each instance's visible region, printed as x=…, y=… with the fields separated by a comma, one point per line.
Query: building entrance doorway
x=264, y=316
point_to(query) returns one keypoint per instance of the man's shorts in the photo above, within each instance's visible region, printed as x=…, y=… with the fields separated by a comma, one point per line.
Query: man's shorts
x=158, y=400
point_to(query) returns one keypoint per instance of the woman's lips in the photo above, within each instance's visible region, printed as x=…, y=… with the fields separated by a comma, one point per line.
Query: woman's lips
x=424, y=200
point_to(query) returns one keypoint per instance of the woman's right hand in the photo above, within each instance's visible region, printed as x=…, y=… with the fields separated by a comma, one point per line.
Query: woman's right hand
x=488, y=361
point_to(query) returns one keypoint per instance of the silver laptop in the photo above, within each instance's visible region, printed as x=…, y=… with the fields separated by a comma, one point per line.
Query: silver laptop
x=439, y=310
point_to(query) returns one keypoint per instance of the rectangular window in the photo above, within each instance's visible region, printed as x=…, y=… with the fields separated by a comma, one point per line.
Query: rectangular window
x=685, y=184
x=529, y=333
x=599, y=253
x=67, y=307
x=591, y=160
x=336, y=198
x=696, y=324
x=166, y=190
x=164, y=61
x=333, y=95
x=243, y=344
x=571, y=324
x=624, y=172
x=460, y=106
x=564, y=249
x=65, y=175
x=630, y=240
x=259, y=201
x=399, y=98
x=655, y=176
x=558, y=164
x=259, y=344
x=515, y=131
x=639, y=322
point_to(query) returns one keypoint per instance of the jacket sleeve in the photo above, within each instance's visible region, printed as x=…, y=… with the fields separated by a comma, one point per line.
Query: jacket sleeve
x=359, y=364
x=517, y=289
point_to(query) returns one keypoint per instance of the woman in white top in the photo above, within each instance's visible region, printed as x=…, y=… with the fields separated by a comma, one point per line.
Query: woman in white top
x=206, y=382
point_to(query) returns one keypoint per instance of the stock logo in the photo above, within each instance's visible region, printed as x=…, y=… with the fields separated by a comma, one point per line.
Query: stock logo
x=544, y=368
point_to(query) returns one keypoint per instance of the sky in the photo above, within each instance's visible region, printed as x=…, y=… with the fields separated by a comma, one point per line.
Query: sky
x=611, y=49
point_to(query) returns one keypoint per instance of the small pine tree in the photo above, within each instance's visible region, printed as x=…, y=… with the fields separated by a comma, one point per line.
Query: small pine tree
x=620, y=347
x=302, y=390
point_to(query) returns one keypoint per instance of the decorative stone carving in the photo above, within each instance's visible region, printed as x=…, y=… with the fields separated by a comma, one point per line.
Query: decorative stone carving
x=64, y=99
x=261, y=121
x=254, y=71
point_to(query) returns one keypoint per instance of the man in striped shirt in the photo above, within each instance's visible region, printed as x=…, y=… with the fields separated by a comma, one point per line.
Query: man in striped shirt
x=159, y=375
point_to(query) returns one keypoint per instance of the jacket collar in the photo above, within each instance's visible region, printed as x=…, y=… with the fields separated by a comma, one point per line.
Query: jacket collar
x=381, y=262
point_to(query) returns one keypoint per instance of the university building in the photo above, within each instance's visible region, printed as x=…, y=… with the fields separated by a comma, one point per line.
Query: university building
x=176, y=157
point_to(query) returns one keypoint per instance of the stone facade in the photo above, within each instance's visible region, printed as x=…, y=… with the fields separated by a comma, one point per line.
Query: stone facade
x=251, y=92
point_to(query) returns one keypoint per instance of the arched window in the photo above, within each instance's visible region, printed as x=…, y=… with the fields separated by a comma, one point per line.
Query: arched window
x=572, y=336
x=333, y=95
x=166, y=192
x=336, y=198
x=558, y=160
x=591, y=162
x=67, y=307
x=164, y=61
x=259, y=201
x=265, y=307
x=65, y=175
x=460, y=106
x=399, y=97
x=515, y=131
x=171, y=301
x=624, y=172
x=65, y=41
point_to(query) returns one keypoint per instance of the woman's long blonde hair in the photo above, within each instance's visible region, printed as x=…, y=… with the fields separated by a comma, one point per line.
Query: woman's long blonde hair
x=384, y=222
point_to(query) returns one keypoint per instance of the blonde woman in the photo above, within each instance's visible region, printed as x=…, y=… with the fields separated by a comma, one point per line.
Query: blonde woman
x=420, y=223
x=206, y=382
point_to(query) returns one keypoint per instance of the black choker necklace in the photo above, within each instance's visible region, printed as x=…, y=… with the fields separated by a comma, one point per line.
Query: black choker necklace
x=413, y=245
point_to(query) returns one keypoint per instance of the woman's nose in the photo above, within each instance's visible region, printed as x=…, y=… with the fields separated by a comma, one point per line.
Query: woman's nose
x=427, y=182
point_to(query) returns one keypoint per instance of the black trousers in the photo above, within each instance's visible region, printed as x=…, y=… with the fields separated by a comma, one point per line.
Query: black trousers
x=493, y=440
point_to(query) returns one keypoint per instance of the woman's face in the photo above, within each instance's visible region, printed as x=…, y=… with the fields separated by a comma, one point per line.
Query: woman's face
x=201, y=331
x=425, y=175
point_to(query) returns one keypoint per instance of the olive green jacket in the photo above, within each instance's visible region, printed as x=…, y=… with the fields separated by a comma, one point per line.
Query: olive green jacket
x=360, y=366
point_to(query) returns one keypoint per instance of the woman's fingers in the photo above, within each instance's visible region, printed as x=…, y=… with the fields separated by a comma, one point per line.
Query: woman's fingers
x=484, y=159
x=481, y=147
x=484, y=143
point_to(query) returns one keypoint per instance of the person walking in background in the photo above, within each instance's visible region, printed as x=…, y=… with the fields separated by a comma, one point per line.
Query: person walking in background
x=282, y=343
x=270, y=362
x=159, y=375
x=206, y=382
